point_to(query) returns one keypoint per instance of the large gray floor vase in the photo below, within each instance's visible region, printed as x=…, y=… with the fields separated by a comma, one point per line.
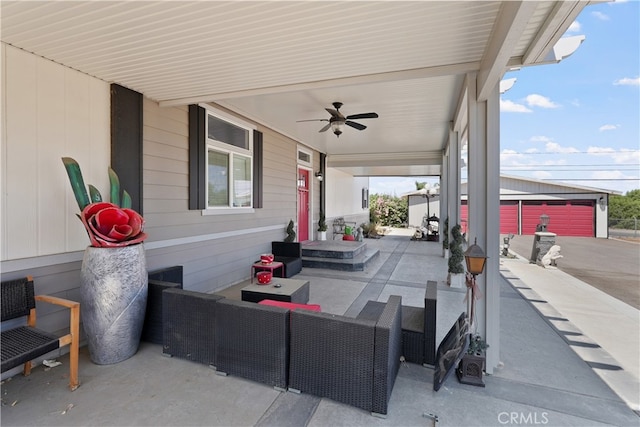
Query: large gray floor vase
x=113, y=299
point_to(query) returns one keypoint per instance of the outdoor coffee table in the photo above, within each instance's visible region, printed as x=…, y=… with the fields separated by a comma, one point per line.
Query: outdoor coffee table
x=287, y=290
x=272, y=266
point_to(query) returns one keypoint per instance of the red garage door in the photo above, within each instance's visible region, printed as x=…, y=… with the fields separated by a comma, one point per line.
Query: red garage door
x=566, y=218
x=508, y=216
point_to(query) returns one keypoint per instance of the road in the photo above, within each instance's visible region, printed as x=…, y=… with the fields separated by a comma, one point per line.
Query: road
x=611, y=265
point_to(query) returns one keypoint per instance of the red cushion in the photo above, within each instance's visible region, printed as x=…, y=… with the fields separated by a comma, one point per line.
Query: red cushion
x=290, y=305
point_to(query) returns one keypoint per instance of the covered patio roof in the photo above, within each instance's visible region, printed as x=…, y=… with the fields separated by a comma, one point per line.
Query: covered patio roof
x=281, y=62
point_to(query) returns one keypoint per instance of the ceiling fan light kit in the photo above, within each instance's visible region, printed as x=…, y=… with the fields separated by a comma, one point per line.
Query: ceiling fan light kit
x=338, y=121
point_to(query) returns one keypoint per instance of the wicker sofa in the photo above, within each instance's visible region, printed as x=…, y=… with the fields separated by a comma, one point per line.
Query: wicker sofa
x=252, y=341
x=188, y=320
x=353, y=361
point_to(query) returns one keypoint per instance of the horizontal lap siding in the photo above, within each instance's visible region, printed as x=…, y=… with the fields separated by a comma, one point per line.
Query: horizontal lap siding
x=220, y=259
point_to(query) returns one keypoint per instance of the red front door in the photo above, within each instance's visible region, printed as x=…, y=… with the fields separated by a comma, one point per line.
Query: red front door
x=303, y=205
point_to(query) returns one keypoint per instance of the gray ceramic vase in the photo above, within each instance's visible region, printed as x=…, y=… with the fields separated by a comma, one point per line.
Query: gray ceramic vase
x=113, y=300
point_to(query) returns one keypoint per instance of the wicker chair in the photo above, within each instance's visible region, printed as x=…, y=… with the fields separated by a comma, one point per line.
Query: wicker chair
x=418, y=326
x=353, y=361
x=159, y=280
x=22, y=344
x=252, y=341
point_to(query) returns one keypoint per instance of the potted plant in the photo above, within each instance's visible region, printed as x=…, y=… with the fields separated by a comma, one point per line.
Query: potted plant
x=445, y=239
x=472, y=365
x=322, y=227
x=291, y=233
x=114, y=281
x=456, y=276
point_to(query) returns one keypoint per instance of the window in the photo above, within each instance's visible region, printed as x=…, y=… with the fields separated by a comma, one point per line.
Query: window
x=229, y=164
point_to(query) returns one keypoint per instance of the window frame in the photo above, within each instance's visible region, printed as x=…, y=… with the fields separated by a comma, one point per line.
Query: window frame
x=231, y=151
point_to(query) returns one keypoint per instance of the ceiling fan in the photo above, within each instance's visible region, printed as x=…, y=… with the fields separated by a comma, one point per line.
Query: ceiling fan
x=337, y=120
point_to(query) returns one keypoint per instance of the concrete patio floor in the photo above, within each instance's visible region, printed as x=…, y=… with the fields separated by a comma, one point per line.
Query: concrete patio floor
x=542, y=379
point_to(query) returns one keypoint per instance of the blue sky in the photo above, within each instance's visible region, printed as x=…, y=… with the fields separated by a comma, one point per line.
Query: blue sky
x=577, y=121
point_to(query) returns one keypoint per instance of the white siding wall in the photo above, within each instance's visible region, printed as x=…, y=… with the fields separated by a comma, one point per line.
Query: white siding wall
x=50, y=111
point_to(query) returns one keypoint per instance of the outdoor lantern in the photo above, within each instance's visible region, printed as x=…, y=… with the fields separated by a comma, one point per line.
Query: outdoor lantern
x=475, y=258
x=544, y=221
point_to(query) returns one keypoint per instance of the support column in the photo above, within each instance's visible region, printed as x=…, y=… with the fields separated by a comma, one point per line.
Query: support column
x=453, y=189
x=484, y=210
x=444, y=193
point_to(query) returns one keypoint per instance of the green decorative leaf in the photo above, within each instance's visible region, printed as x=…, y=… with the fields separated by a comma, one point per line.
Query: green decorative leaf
x=126, y=200
x=77, y=182
x=94, y=194
x=115, y=187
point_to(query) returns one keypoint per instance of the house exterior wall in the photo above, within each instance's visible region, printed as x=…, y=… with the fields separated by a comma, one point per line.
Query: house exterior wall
x=418, y=209
x=51, y=111
x=344, y=199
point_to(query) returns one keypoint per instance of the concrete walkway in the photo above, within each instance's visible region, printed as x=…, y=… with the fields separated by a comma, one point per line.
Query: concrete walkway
x=542, y=380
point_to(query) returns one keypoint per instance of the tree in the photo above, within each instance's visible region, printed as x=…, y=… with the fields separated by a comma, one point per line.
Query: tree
x=624, y=210
x=390, y=211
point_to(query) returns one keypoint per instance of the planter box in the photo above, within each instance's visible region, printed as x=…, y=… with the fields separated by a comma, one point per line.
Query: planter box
x=470, y=369
x=456, y=280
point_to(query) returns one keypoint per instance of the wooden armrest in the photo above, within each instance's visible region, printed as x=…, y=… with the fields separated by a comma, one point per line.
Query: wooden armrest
x=57, y=301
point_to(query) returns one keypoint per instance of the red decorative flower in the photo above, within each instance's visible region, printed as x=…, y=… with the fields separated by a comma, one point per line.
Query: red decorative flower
x=111, y=226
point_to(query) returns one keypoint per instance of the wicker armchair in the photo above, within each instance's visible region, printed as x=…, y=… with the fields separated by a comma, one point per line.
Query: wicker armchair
x=22, y=344
x=252, y=341
x=354, y=361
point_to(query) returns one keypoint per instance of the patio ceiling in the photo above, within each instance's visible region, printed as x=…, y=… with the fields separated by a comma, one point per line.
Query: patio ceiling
x=280, y=62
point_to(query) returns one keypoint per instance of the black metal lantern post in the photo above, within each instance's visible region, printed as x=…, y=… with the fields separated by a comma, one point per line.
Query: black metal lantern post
x=476, y=260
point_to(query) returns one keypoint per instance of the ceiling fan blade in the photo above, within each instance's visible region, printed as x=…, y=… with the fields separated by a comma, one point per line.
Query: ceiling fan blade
x=363, y=116
x=325, y=128
x=355, y=125
x=334, y=113
x=313, y=120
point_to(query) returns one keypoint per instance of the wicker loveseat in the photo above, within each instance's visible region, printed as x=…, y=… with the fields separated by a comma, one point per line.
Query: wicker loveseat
x=353, y=361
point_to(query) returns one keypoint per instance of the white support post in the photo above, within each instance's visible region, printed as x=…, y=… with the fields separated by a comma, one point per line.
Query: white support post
x=453, y=189
x=484, y=211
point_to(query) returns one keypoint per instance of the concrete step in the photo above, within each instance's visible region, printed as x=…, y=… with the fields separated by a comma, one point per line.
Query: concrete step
x=339, y=249
x=358, y=263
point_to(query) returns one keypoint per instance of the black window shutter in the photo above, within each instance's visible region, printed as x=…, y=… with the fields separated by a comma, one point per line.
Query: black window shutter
x=258, y=164
x=126, y=141
x=197, y=158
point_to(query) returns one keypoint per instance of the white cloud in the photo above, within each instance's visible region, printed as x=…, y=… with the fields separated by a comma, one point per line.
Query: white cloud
x=627, y=81
x=541, y=175
x=608, y=127
x=554, y=147
x=621, y=156
x=540, y=138
x=507, y=106
x=575, y=103
x=532, y=150
x=601, y=16
x=535, y=100
x=574, y=27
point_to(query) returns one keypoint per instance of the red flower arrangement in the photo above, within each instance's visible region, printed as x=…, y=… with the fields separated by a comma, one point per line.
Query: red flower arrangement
x=111, y=226
x=108, y=224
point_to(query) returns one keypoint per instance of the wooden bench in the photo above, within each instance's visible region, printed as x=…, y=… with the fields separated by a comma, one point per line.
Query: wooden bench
x=22, y=344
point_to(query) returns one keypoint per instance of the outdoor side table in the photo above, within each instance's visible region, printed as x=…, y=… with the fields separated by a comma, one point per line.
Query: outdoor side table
x=286, y=290
x=259, y=266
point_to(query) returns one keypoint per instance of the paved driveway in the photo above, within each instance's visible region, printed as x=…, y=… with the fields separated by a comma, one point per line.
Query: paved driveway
x=611, y=265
